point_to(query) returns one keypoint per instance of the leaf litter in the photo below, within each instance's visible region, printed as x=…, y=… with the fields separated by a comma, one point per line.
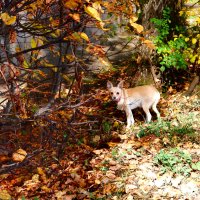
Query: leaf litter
x=124, y=168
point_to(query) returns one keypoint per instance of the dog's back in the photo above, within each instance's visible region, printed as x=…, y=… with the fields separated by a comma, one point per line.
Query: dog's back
x=147, y=95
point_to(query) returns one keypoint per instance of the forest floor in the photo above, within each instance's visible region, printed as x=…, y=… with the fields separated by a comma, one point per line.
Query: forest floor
x=160, y=160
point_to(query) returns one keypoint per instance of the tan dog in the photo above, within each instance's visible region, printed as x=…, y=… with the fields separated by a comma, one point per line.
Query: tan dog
x=145, y=97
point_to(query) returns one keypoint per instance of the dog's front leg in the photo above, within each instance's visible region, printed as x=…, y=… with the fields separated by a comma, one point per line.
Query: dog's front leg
x=129, y=116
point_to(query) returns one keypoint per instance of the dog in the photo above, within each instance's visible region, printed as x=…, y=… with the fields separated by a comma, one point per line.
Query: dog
x=146, y=97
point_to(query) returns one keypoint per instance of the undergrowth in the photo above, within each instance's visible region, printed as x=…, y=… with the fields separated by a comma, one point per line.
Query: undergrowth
x=166, y=128
x=177, y=161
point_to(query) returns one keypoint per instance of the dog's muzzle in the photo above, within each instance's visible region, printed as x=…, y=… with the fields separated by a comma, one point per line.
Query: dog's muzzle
x=116, y=99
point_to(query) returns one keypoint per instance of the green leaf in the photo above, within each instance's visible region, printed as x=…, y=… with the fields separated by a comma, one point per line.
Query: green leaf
x=162, y=68
x=196, y=166
x=106, y=126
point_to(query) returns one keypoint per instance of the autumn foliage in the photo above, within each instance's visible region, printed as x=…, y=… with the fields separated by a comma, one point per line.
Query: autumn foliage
x=44, y=40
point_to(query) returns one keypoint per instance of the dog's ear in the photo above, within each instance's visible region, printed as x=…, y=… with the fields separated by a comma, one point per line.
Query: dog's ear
x=109, y=85
x=120, y=84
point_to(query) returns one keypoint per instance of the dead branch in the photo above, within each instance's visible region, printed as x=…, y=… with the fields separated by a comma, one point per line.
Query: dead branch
x=47, y=109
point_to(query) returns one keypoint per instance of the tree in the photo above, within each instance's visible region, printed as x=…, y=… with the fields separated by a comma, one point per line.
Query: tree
x=52, y=34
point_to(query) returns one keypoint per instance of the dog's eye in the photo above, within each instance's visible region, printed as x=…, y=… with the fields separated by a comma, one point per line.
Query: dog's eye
x=117, y=93
x=111, y=93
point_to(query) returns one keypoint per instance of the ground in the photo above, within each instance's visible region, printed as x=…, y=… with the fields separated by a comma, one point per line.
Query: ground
x=155, y=161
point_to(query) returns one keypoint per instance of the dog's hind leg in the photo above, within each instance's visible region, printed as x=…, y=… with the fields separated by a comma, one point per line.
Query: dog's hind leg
x=148, y=114
x=154, y=108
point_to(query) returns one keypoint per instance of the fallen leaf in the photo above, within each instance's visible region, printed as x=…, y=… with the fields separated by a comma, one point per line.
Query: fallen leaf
x=4, y=195
x=19, y=155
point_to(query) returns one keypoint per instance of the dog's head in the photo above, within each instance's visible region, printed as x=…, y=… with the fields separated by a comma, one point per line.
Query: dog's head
x=115, y=92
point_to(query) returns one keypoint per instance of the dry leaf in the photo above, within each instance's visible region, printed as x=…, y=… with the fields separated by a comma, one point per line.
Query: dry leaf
x=7, y=19
x=112, y=144
x=75, y=16
x=19, y=155
x=70, y=197
x=96, y=138
x=84, y=36
x=42, y=174
x=110, y=174
x=71, y=4
x=4, y=195
x=139, y=28
x=93, y=13
x=149, y=44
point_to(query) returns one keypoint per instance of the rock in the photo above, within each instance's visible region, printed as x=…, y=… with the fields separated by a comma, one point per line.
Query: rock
x=159, y=182
x=168, y=176
x=176, y=181
x=150, y=175
x=169, y=191
x=190, y=188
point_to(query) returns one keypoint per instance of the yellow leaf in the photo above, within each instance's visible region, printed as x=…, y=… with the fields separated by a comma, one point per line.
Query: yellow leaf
x=192, y=60
x=138, y=27
x=25, y=64
x=7, y=19
x=149, y=44
x=84, y=36
x=187, y=39
x=181, y=13
x=72, y=4
x=70, y=57
x=194, y=40
x=97, y=6
x=133, y=19
x=116, y=124
x=92, y=12
x=5, y=195
x=75, y=16
x=33, y=43
x=57, y=32
x=198, y=20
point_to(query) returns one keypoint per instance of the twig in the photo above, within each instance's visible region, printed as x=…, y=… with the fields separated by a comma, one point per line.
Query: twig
x=8, y=168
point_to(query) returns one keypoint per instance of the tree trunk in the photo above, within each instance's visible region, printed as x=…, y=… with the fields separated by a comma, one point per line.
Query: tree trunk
x=154, y=8
x=192, y=86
